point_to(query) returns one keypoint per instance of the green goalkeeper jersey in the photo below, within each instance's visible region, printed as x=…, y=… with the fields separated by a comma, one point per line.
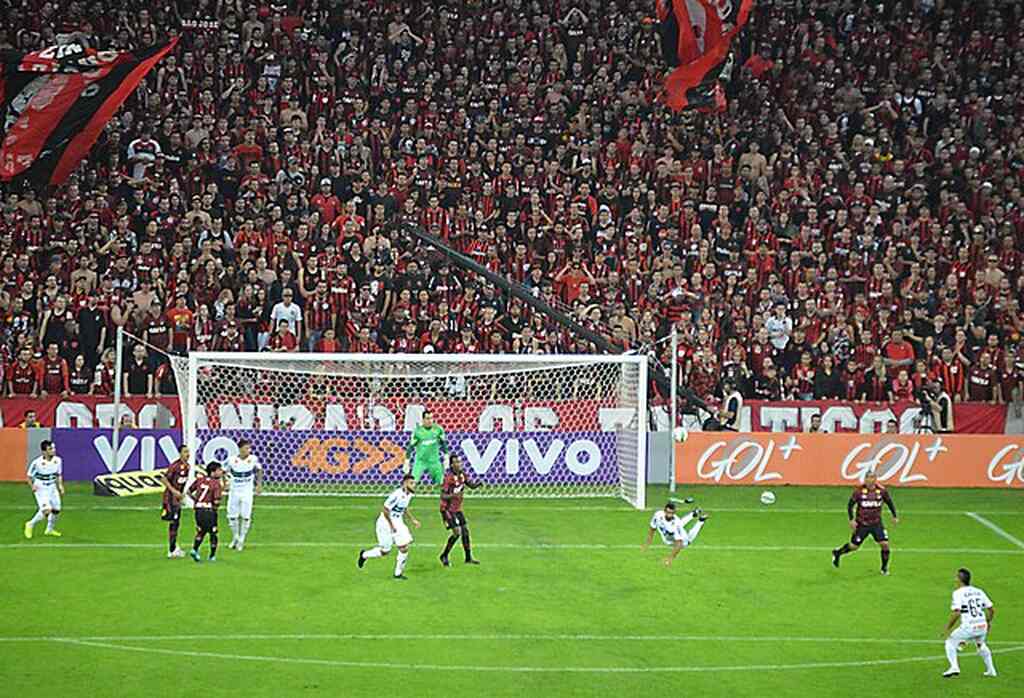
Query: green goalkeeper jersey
x=427, y=444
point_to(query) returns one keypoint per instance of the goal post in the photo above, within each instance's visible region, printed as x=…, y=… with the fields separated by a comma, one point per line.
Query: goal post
x=524, y=425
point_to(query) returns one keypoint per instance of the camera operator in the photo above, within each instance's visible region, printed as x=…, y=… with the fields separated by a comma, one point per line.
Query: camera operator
x=937, y=403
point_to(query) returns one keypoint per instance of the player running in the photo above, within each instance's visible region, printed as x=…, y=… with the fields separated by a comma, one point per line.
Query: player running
x=46, y=476
x=246, y=480
x=673, y=529
x=391, y=528
x=206, y=491
x=975, y=611
x=174, y=481
x=455, y=481
x=867, y=500
x=426, y=447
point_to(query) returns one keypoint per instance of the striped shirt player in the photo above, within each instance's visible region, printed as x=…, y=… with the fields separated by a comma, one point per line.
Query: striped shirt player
x=672, y=529
x=174, y=480
x=452, y=490
x=391, y=528
x=864, y=510
x=246, y=481
x=46, y=476
x=206, y=492
x=974, y=610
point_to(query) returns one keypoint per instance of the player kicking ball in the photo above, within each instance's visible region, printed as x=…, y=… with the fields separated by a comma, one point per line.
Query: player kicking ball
x=174, y=481
x=46, y=477
x=455, y=483
x=391, y=528
x=246, y=481
x=972, y=607
x=206, y=492
x=673, y=529
x=865, y=512
x=426, y=447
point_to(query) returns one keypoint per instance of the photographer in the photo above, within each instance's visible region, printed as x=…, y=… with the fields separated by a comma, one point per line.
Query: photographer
x=732, y=405
x=939, y=405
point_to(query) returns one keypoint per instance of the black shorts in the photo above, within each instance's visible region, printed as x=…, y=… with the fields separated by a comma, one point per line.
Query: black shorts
x=877, y=532
x=453, y=519
x=206, y=520
x=171, y=513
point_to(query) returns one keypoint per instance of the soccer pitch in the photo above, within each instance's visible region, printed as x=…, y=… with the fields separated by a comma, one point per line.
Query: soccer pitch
x=563, y=604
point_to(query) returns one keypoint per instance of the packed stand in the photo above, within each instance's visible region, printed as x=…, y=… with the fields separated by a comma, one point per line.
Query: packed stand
x=850, y=227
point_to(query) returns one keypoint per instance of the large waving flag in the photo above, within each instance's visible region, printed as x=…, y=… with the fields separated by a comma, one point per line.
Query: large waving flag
x=714, y=24
x=54, y=103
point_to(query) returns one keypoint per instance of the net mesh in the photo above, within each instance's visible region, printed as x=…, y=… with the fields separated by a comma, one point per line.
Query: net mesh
x=340, y=425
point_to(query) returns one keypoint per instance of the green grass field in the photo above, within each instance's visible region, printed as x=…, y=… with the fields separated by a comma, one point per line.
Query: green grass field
x=564, y=604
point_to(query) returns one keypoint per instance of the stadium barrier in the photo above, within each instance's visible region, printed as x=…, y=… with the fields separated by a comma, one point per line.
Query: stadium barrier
x=758, y=416
x=926, y=460
x=568, y=458
x=88, y=453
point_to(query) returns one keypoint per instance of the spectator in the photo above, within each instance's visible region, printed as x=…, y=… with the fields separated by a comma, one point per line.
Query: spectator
x=898, y=352
x=848, y=215
x=81, y=377
x=138, y=378
x=31, y=421
x=287, y=312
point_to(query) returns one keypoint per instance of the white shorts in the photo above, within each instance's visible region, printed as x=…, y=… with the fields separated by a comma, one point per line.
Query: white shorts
x=976, y=634
x=47, y=497
x=386, y=539
x=240, y=505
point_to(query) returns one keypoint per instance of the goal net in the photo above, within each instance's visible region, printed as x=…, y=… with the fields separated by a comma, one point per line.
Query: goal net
x=525, y=426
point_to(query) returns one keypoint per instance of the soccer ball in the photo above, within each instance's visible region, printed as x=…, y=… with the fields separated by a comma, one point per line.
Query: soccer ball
x=767, y=497
x=679, y=434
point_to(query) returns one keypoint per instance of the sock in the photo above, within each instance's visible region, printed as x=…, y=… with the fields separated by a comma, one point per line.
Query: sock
x=845, y=549
x=687, y=518
x=400, y=562
x=465, y=544
x=885, y=559
x=243, y=530
x=37, y=518
x=51, y=521
x=375, y=551
x=172, y=537
x=449, y=545
x=986, y=656
x=213, y=545
x=233, y=523
x=198, y=541
x=954, y=661
x=694, y=530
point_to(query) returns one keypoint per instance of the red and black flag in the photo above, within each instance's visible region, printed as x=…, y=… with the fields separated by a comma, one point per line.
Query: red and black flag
x=54, y=103
x=679, y=43
x=713, y=24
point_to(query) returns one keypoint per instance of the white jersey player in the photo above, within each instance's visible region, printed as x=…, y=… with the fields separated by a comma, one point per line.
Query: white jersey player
x=972, y=607
x=246, y=481
x=673, y=529
x=46, y=476
x=391, y=528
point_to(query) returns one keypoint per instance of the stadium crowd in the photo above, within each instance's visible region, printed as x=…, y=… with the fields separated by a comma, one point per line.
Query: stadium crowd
x=849, y=227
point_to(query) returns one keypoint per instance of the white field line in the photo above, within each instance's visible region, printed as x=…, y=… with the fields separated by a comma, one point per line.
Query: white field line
x=484, y=637
x=988, y=524
x=354, y=545
x=491, y=505
x=512, y=669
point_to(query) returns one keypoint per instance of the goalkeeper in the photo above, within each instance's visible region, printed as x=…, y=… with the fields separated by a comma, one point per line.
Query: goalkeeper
x=427, y=445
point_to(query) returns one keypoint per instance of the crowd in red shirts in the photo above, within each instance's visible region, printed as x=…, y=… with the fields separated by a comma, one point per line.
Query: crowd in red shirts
x=848, y=228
